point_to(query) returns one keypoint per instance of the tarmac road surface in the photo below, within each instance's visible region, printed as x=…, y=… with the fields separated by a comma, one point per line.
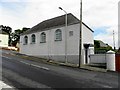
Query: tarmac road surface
x=22, y=73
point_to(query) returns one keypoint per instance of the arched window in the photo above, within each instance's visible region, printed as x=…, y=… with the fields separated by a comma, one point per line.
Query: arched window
x=26, y=40
x=33, y=38
x=43, y=37
x=58, y=35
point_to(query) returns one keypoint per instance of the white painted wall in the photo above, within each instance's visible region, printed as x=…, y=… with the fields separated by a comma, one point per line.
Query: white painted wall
x=3, y=40
x=111, y=61
x=87, y=38
x=98, y=58
x=56, y=49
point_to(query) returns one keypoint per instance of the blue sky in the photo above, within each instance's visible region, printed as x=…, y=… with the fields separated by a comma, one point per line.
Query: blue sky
x=99, y=30
x=101, y=16
x=13, y=5
x=13, y=8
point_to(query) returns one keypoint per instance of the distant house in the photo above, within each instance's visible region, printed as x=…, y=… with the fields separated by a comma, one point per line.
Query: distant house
x=101, y=47
x=47, y=39
x=102, y=44
x=3, y=39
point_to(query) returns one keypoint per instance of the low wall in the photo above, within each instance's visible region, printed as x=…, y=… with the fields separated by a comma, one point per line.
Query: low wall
x=98, y=58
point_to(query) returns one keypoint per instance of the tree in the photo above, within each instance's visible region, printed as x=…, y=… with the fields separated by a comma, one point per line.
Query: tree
x=16, y=35
x=97, y=44
x=101, y=49
x=24, y=29
x=8, y=30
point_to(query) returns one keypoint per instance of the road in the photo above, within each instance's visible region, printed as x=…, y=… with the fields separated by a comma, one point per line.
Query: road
x=23, y=73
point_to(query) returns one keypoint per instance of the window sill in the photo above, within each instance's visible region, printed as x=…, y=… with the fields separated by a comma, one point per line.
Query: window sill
x=58, y=40
x=42, y=42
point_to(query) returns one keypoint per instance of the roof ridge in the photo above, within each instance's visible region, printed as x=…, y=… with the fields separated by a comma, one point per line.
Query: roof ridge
x=58, y=16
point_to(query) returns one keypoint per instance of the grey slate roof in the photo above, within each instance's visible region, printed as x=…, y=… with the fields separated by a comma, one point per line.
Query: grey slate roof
x=54, y=22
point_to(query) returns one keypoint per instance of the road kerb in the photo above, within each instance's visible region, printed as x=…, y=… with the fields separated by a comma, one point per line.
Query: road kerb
x=85, y=67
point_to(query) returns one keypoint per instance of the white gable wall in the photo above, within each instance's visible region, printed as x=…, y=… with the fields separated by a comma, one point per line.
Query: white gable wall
x=87, y=38
x=56, y=49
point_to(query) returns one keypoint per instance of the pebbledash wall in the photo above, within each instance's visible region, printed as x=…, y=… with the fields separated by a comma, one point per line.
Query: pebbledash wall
x=55, y=50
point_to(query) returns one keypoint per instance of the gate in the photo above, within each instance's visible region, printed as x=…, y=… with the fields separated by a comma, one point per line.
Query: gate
x=117, y=56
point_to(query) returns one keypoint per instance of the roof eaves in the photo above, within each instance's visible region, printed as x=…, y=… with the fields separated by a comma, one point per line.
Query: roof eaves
x=32, y=31
x=87, y=26
x=47, y=29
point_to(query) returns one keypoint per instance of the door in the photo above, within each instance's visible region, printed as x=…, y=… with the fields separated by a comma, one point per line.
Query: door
x=117, y=56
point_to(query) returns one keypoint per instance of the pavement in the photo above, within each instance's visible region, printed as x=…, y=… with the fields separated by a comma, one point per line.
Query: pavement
x=38, y=59
x=85, y=67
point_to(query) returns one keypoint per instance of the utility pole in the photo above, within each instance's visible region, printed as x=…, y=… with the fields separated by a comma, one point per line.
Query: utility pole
x=114, y=40
x=80, y=38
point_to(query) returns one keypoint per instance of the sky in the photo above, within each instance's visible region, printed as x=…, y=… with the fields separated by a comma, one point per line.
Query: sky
x=100, y=15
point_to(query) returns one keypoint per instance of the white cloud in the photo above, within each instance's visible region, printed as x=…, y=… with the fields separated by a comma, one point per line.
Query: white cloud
x=102, y=14
x=96, y=14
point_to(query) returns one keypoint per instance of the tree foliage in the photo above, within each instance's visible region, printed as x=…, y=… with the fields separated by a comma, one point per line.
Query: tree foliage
x=7, y=29
x=16, y=35
x=99, y=48
x=97, y=44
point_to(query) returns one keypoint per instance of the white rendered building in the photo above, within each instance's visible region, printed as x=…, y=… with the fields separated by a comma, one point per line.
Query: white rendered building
x=47, y=39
